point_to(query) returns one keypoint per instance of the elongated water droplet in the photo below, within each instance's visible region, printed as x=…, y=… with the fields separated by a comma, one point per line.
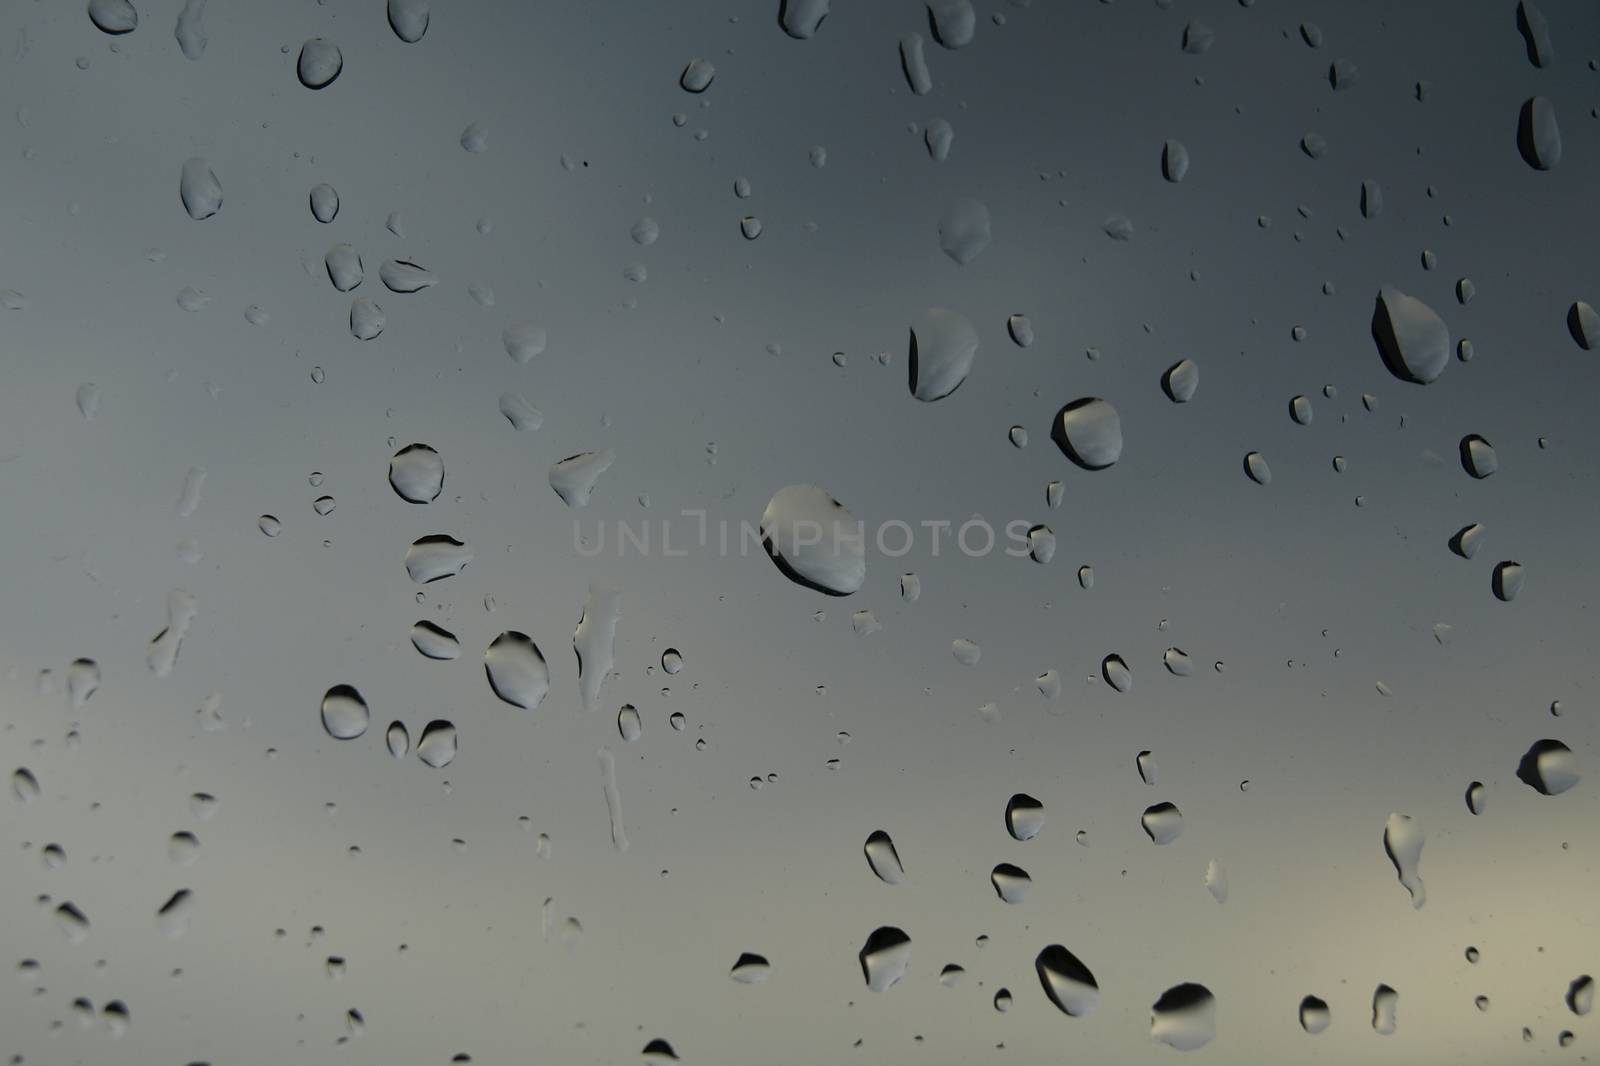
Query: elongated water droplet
x=1580, y=995
x=416, y=473
x=1011, y=883
x=1177, y=662
x=1162, y=822
x=1115, y=670
x=594, y=641
x=608, y=781
x=320, y=62
x=162, y=655
x=1174, y=161
x=344, y=713
x=964, y=231
x=697, y=75
x=72, y=922
x=1255, y=466
x=1024, y=816
x=406, y=276
x=1385, y=1005
x=914, y=63
x=398, y=739
x=83, y=681
x=199, y=189
x=938, y=136
x=1548, y=767
x=366, y=319
x=1300, y=410
x=1145, y=763
x=269, y=525
x=1185, y=1017
x=190, y=30
x=437, y=745
x=172, y=917
x=1475, y=797
x=183, y=848
x=1371, y=199
x=24, y=786
x=324, y=203
x=629, y=724
x=435, y=557
x=1217, y=881
x=883, y=858
x=1067, y=981
x=1506, y=581
x=517, y=670
x=1538, y=134
x=943, y=345
x=434, y=641
x=409, y=19
x=814, y=541
x=953, y=22
x=1402, y=841
x=884, y=957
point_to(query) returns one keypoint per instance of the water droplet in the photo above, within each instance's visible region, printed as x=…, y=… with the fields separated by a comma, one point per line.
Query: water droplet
x=1467, y=541
x=594, y=641
x=953, y=22
x=1162, y=822
x=1197, y=37
x=1548, y=767
x=1478, y=457
x=943, y=345
x=1314, y=1015
x=910, y=587
x=884, y=957
x=1314, y=145
x=199, y=189
x=914, y=64
x=1300, y=410
x=1538, y=134
x=1507, y=580
x=366, y=319
x=24, y=785
x=406, y=276
x=629, y=724
x=1174, y=161
x=1411, y=337
x=115, y=17
x=1089, y=431
x=192, y=299
x=750, y=227
x=1177, y=661
x=1011, y=883
x=1024, y=816
x=951, y=975
x=408, y=19
x=1217, y=881
x=83, y=681
x=697, y=76
x=1145, y=763
x=320, y=62
x=801, y=18
x=344, y=267
x=416, y=473
x=172, y=917
x=751, y=969
x=1086, y=577
x=1583, y=322
x=574, y=477
x=435, y=642
x=437, y=745
x=938, y=136
x=475, y=138
x=1475, y=797
x=1115, y=670
x=1067, y=981
x=398, y=739
x=1181, y=380
x=645, y=231
x=517, y=670
x=964, y=231
x=162, y=655
x=344, y=713
x=1385, y=1004
x=966, y=652
x=883, y=858
x=1185, y=1017
x=324, y=203
x=72, y=922
x=814, y=541
x=269, y=525
x=1580, y=995
x=1256, y=468
x=677, y=721
x=1002, y=1000
x=1402, y=841
x=183, y=848
x=436, y=557
x=519, y=412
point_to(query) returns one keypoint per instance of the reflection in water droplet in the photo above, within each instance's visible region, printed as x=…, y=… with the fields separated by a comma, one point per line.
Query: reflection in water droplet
x=884, y=957
x=1385, y=1004
x=1024, y=816
x=517, y=670
x=1185, y=1017
x=1011, y=883
x=1475, y=797
x=943, y=345
x=884, y=858
x=436, y=557
x=320, y=62
x=1067, y=981
x=1402, y=841
x=398, y=739
x=437, y=746
x=199, y=189
x=344, y=713
x=416, y=473
x=814, y=541
x=1548, y=767
x=574, y=477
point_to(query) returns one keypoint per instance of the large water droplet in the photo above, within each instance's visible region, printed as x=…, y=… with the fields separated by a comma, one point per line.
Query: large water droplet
x=1115, y=670
x=1162, y=822
x=1256, y=468
x=1506, y=581
x=574, y=477
x=517, y=670
x=435, y=557
x=1024, y=816
x=344, y=266
x=1538, y=134
x=366, y=319
x=1402, y=841
x=1011, y=883
x=884, y=957
x=1067, y=981
x=943, y=345
x=814, y=541
x=115, y=17
x=199, y=189
x=416, y=473
x=883, y=858
x=628, y=723
x=408, y=19
x=320, y=62
x=1467, y=541
x=751, y=969
x=1411, y=337
x=344, y=713
x=437, y=746
x=324, y=202
x=801, y=18
x=1548, y=767
x=1185, y=1017
x=964, y=231
x=1475, y=797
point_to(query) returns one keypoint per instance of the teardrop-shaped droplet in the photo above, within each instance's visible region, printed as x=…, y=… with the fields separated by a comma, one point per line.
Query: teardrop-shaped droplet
x=943, y=346
x=1412, y=339
x=320, y=62
x=416, y=473
x=1089, y=431
x=1177, y=662
x=398, y=739
x=1067, y=981
x=1115, y=670
x=1300, y=410
x=199, y=189
x=1011, y=883
x=1402, y=841
x=24, y=785
x=1185, y=1017
x=344, y=267
x=883, y=858
x=437, y=745
x=409, y=19
x=1024, y=816
x=697, y=75
x=344, y=713
x=517, y=670
x=1041, y=544
x=884, y=957
x=814, y=541
x=938, y=136
x=1580, y=995
x=1467, y=540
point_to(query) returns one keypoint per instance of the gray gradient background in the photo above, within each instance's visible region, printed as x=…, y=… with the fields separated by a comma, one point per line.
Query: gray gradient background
x=1059, y=118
